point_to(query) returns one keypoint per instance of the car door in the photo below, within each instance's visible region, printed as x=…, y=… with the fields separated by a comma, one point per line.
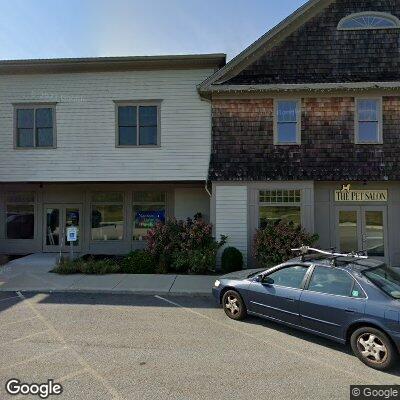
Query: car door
x=331, y=300
x=277, y=295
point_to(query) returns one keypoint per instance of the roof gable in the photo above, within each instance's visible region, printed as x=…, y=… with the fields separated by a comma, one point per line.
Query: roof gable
x=307, y=49
x=260, y=46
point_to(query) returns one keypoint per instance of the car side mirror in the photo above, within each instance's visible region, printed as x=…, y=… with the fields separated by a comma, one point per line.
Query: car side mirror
x=267, y=281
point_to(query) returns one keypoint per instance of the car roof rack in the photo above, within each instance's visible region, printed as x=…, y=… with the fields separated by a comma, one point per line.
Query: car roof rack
x=331, y=255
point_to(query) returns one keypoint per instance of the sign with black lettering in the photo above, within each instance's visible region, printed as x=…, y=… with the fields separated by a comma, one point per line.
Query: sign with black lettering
x=361, y=196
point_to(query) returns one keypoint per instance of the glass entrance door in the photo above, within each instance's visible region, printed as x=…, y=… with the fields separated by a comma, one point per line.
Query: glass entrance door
x=362, y=229
x=57, y=218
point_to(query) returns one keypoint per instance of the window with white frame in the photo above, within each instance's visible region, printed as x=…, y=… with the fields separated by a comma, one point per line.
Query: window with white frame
x=149, y=208
x=107, y=216
x=20, y=215
x=368, y=121
x=138, y=124
x=279, y=205
x=34, y=126
x=287, y=122
x=369, y=20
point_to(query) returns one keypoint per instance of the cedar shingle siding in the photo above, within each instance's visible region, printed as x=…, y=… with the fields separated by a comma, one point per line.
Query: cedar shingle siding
x=243, y=143
x=318, y=52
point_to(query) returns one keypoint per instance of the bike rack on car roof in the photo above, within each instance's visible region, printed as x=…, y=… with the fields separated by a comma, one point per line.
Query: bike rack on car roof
x=332, y=255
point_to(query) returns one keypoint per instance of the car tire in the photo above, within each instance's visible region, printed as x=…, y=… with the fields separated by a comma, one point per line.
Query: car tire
x=374, y=348
x=233, y=305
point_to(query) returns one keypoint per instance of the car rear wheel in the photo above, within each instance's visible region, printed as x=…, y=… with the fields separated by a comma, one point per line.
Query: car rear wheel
x=373, y=348
x=234, y=306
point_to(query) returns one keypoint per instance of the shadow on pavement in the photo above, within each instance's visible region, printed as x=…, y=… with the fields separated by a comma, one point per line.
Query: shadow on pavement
x=115, y=299
x=8, y=300
x=318, y=340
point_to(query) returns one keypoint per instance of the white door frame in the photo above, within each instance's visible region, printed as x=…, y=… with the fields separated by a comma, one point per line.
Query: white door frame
x=62, y=226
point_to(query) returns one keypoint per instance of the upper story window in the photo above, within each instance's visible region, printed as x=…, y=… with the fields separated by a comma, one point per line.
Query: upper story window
x=368, y=121
x=369, y=20
x=34, y=126
x=287, y=122
x=138, y=124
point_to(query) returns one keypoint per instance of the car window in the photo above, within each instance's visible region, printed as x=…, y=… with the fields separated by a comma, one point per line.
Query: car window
x=290, y=277
x=356, y=291
x=386, y=279
x=332, y=281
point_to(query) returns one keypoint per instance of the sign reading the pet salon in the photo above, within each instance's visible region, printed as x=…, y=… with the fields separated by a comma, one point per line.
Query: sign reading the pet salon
x=349, y=195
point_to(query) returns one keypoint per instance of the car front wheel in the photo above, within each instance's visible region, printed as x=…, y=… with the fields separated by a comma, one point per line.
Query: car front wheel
x=234, y=306
x=373, y=348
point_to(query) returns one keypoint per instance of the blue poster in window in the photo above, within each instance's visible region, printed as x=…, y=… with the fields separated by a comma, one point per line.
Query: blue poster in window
x=148, y=219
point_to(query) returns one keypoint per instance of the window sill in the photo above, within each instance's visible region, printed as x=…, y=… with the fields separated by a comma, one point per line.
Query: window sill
x=150, y=146
x=368, y=143
x=35, y=148
x=287, y=144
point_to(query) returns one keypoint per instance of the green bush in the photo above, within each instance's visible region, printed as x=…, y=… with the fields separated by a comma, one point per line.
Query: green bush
x=89, y=266
x=273, y=244
x=138, y=262
x=184, y=246
x=231, y=260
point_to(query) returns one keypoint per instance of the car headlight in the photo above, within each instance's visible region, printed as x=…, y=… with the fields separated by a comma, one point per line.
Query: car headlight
x=217, y=283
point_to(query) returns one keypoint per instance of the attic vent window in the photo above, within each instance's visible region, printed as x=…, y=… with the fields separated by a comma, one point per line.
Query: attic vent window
x=369, y=20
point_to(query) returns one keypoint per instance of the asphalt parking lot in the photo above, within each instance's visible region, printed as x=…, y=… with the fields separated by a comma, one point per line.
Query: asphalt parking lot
x=148, y=347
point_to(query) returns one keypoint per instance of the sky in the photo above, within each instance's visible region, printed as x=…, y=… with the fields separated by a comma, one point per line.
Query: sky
x=100, y=28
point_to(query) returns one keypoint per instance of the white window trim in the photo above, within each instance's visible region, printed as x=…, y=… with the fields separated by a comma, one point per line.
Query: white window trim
x=380, y=121
x=139, y=203
x=365, y=14
x=260, y=203
x=298, y=125
x=34, y=106
x=138, y=103
x=94, y=203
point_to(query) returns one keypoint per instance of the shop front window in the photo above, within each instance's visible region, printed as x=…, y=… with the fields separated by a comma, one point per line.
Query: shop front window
x=107, y=216
x=20, y=215
x=279, y=205
x=149, y=208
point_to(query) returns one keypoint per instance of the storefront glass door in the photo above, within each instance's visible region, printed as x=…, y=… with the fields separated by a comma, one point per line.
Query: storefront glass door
x=57, y=218
x=362, y=229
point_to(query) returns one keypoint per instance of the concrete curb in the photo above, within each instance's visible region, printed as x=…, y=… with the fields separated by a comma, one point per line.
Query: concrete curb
x=105, y=291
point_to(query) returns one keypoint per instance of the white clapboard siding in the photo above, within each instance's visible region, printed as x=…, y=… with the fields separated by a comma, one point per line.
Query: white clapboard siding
x=231, y=215
x=85, y=115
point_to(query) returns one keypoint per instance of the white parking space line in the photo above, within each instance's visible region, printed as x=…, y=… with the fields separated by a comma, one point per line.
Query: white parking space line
x=269, y=343
x=61, y=380
x=115, y=395
x=9, y=298
x=23, y=338
x=21, y=321
x=7, y=367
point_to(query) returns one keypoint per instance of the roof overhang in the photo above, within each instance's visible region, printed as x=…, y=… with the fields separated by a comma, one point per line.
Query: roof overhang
x=96, y=64
x=309, y=87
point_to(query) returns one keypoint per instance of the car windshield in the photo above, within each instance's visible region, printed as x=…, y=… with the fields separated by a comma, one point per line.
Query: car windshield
x=386, y=279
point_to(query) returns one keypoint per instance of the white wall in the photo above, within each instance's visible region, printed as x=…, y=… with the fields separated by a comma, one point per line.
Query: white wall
x=190, y=201
x=85, y=115
x=231, y=216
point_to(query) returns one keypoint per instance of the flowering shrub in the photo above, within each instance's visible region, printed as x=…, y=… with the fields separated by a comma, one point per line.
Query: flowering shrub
x=183, y=246
x=273, y=244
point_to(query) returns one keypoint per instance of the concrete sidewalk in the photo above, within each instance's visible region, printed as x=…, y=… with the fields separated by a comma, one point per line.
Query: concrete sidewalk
x=32, y=274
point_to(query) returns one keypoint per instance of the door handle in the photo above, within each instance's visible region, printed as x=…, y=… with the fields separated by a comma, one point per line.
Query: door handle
x=289, y=299
x=350, y=311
